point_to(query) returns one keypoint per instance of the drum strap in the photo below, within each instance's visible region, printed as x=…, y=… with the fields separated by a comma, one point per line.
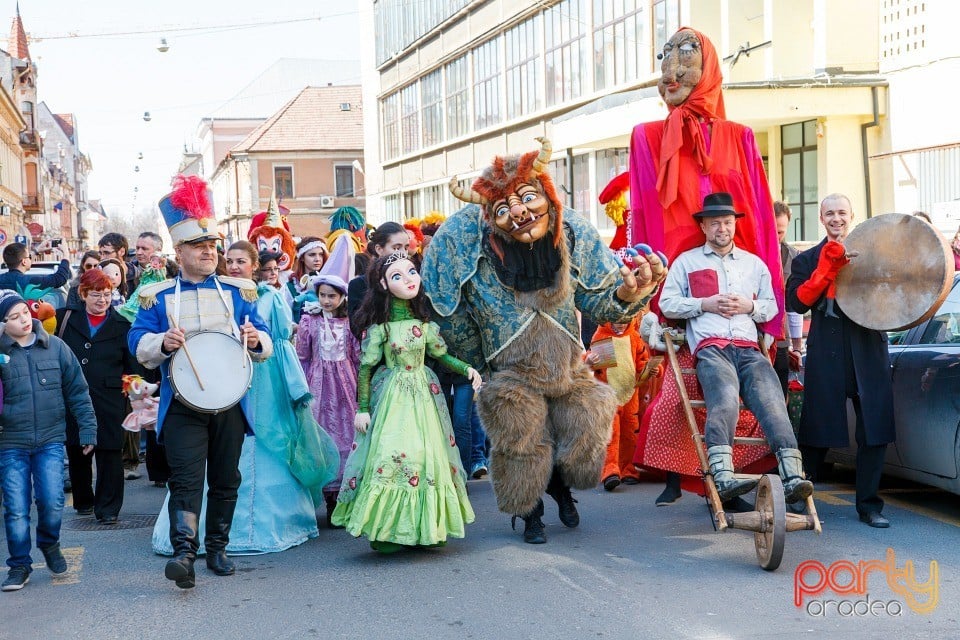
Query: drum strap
x=216, y=281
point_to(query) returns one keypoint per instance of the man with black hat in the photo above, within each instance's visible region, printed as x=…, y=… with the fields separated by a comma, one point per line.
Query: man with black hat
x=171, y=312
x=723, y=292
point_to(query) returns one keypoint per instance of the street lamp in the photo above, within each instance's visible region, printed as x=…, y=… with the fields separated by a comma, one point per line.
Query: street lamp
x=163, y=47
x=146, y=116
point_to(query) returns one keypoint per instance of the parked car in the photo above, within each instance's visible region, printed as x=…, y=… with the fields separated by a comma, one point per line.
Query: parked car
x=925, y=370
x=57, y=297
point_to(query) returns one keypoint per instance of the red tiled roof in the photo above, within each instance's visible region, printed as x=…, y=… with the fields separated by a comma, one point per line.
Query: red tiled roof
x=313, y=121
x=17, y=43
x=65, y=120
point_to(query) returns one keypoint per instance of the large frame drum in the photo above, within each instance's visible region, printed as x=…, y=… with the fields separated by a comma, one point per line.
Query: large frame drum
x=223, y=373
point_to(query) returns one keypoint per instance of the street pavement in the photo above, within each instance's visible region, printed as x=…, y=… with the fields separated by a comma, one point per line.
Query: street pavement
x=630, y=570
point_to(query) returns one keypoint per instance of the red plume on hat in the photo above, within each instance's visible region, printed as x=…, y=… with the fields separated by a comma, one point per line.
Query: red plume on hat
x=190, y=196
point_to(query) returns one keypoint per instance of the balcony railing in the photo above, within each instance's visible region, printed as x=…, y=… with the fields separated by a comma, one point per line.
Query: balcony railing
x=31, y=202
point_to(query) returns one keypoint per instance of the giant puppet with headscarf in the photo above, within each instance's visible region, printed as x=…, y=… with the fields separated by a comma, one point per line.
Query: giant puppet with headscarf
x=674, y=164
x=506, y=276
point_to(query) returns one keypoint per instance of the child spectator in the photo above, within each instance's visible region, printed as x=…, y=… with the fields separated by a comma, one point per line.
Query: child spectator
x=330, y=356
x=619, y=355
x=42, y=381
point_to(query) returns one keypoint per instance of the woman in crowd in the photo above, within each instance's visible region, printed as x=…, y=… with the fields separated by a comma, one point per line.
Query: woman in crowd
x=388, y=238
x=311, y=255
x=289, y=459
x=90, y=260
x=97, y=334
x=403, y=482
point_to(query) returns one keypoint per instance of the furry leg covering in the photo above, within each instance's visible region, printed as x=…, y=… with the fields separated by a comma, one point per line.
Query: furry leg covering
x=582, y=422
x=521, y=459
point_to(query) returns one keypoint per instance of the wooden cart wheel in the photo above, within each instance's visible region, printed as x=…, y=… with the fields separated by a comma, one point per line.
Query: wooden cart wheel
x=773, y=511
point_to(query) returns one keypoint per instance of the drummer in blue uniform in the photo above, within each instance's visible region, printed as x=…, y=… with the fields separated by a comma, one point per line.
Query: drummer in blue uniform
x=170, y=312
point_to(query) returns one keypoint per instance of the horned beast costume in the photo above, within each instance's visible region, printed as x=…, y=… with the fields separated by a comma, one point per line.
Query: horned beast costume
x=505, y=280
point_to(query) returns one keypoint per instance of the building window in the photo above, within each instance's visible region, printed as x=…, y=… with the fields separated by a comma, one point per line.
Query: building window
x=410, y=120
x=411, y=204
x=434, y=198
x=283, y=181
x=26, y=108
x=343, y=175
x=458, y=99
x=610, y=164
x=620, y=52
x=399, y=23
x=523, y=67
x=455, y=204
x=800, y=187
x=390, y=122
x=666, y=21
x=486, y=84
x=431, y=97
x=391, y=207
x=566, y=64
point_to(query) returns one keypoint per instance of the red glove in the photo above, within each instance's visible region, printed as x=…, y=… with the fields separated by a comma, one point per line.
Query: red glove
x=833, y=257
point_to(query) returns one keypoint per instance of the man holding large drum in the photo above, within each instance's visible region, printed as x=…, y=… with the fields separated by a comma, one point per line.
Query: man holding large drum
x=202, y=416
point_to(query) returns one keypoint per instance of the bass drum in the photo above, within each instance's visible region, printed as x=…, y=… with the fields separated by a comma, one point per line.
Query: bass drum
x=224, y=369
x=901, y=276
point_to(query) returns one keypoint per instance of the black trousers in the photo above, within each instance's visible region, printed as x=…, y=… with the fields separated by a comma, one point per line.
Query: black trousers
x=157, y=468
x=781, y=364
x=195, y=441
x=869, y=465
x=107, y=499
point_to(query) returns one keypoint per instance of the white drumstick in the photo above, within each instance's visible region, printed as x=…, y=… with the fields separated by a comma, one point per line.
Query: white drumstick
x=246, y=321
x=186, y=352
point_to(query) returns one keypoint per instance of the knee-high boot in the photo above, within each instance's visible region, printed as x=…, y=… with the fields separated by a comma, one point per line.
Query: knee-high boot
x=559, y=491
x=219, y=518
x=183, y=537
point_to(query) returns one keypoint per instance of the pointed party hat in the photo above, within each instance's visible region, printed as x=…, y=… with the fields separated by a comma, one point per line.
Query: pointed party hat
x=338, y=270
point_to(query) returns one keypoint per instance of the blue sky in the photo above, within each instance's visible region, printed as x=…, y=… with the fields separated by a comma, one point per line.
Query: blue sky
x=108, y=82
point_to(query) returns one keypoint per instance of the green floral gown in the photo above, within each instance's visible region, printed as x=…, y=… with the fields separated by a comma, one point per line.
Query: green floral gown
x=403, y=482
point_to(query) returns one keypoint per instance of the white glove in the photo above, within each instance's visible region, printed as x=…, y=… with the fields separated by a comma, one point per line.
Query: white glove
x=361, y=421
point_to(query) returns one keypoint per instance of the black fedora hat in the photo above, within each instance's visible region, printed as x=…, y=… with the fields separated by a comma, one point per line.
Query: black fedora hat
x=717, y=204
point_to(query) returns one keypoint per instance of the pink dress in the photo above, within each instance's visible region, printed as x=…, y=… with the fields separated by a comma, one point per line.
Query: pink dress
x=330, y=355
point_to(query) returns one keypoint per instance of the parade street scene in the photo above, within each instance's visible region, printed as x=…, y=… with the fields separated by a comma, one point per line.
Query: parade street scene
x=479, y=319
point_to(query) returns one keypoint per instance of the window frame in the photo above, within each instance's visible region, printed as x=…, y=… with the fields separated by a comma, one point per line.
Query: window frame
x=293, y=182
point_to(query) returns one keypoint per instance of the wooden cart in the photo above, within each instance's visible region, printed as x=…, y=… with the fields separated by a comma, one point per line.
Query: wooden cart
x=770, y=522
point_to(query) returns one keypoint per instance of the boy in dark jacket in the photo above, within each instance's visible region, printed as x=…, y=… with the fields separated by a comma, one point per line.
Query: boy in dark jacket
x=42, y=381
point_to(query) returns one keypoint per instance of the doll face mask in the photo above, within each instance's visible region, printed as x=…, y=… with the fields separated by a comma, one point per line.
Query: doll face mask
x=402, y=280
x=681, y=68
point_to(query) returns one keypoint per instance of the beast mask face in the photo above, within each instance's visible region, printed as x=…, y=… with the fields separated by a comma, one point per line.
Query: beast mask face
x=519, y=201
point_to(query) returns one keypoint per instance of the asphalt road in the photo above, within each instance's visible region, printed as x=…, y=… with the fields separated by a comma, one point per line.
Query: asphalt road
x=630, y=570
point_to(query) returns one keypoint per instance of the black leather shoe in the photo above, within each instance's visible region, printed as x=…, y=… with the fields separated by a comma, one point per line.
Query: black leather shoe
x=220, y=564
x=109, y=520
x=611, y=482
x=180, y=570
x=875, y=519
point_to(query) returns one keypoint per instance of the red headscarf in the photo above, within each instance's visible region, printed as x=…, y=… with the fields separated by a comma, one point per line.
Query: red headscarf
x=705, y=101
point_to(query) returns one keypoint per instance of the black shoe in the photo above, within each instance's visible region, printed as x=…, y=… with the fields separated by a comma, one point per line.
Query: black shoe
x=565, y=501
x=630, y=480
x=55, y=560
x=611, y=482
x=84, y=511
x=180, y=570
x=671, y=493
x=16, y=578
x=108, y=520
x=533, y=529
x=220, y=564
x=875, y=519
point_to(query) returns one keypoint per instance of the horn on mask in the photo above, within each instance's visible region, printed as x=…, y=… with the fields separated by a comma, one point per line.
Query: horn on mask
x=462, y=193
x=543, y=158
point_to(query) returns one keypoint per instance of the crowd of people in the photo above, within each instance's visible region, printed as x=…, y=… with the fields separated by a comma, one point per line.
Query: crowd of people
x=359, y=380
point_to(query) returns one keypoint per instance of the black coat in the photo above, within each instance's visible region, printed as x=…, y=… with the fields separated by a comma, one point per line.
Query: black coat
x=104, y=359
x=823, y=422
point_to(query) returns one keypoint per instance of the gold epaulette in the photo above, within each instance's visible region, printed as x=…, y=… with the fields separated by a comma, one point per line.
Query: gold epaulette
x=248, y=288
x=148, y=294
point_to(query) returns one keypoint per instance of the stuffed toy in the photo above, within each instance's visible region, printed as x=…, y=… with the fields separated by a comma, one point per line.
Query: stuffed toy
x=143, y=414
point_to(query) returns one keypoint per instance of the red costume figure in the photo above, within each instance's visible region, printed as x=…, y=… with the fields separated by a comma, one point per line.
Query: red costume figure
x=269, y=231
x=674, y=164
x=631, y=356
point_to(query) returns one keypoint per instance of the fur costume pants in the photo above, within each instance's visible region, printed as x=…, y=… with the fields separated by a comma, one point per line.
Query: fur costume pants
x=532, y=429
